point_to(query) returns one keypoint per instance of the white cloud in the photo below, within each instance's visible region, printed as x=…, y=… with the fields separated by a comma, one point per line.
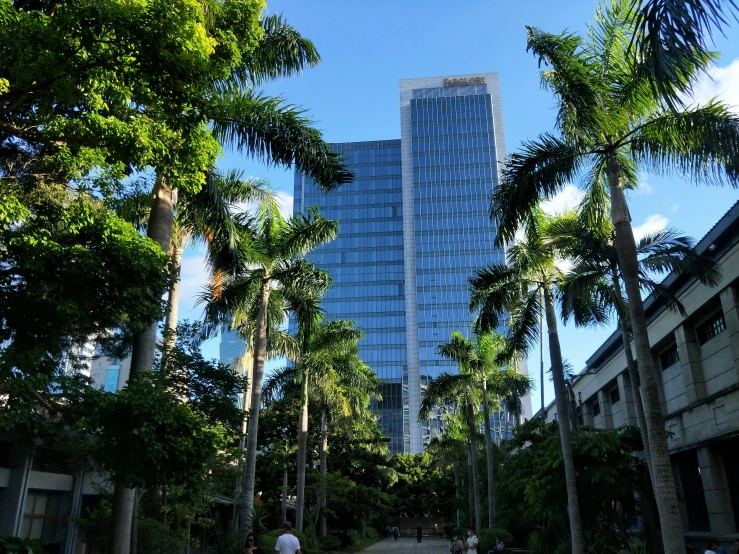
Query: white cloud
x=643, y=187
x=721, y=83
x=567, y=199
x=653, y=223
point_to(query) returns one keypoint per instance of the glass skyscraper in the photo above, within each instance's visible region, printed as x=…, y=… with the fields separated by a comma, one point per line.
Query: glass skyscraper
x=414, y=226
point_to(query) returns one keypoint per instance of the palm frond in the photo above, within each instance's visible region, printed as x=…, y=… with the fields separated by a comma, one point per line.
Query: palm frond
x=306, y=232
x=700, y=143
x=667, y=251
x=670, y=37
x=537, y=172
x=270, y=130
x=523, y=323
x=277, y=382
x=282, y=52
x=445, y=388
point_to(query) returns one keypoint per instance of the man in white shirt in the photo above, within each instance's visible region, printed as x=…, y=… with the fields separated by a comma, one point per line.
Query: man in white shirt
x=472, y=541
x=287, y=543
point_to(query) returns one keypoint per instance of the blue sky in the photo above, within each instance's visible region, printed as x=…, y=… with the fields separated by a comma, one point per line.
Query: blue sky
x=368, y=46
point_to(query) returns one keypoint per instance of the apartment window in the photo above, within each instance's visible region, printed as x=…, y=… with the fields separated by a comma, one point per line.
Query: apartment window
x=669, y=357
x=711, y=327
x=111, y=380
x=596, y=408
x=40, y=515
x=614, y=395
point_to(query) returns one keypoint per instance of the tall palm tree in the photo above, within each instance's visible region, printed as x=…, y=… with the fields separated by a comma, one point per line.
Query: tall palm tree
x=462, y=390
x=329, y=374
x=595, y=274
x=611, y=122
x=273, y=250
x=481, y=358
x=513, y=292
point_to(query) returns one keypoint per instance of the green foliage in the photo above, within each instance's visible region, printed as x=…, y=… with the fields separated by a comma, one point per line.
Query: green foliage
x=487, y=538
x=16, y=545
x=144, y=436
x=329, y=543
x=531, y=487
x=156, y=538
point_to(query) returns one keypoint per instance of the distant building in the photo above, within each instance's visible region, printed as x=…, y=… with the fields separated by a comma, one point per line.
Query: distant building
x=697, y=359
x=414, y=226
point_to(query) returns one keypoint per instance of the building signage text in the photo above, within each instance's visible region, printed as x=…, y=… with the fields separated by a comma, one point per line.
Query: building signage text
x=465, y=82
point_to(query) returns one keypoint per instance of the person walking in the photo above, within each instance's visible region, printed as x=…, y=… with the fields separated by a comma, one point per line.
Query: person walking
x=251, y=545
x=472, y=541
x=456, y=546
x=419, y=532
x=287, y=543
x=499, y=546
x=396, y=532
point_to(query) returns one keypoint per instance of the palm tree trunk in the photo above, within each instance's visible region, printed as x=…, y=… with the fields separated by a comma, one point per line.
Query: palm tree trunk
x=324, y=471
x=302, y=453
x=250, y=464
x=489, y=452
x=283, y=503
x=631, y=367
x=563, y=418
x=161, y=219
x=475, y=474
x=470, y=494
x=457, y=493
x=170, y=323
x=665, y=494
x=541, y=355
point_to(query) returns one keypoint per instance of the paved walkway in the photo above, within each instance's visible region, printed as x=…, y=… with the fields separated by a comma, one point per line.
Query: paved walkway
x=409, y=545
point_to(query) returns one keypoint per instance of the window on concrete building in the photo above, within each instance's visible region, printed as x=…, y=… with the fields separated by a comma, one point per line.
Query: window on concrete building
x=111, y=380
x=595, y=407
x=669, y=357
x=711, y=327
x=614, y=395
x=695, y=498
x=40, y=515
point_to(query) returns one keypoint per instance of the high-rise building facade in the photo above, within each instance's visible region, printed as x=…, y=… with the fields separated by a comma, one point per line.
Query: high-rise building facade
x=414, y=226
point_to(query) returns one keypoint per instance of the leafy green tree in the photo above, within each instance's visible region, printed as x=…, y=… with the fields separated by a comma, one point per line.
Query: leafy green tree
x=480, y=358
x=611, y=122
x=531, y=484
x=462, y=390
x=510, y=294
x=273, y=260
x=71, y=272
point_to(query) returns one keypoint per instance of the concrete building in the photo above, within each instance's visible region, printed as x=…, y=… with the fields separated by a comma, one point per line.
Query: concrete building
x=414, y=226
x=698, y=366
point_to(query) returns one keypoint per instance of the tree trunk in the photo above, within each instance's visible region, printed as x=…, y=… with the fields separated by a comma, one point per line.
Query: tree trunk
x=489, y=452
x=302, y=453
x=541, y=354
x=250, y=463
x=475, y=474
x=470, y=494
x=631, y=367
x=142, y=359
x=324, y=470
x=665, y=494
x=563, y=418
x=170, y=323
x=457, y=493
x=283, y=503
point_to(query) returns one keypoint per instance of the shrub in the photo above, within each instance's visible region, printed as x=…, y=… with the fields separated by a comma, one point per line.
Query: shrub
x=353, y=537
x=15, y=545
x=487, y=538
x=370, y=532
x=459, y=532
x=329, y=543
x=156, y=538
